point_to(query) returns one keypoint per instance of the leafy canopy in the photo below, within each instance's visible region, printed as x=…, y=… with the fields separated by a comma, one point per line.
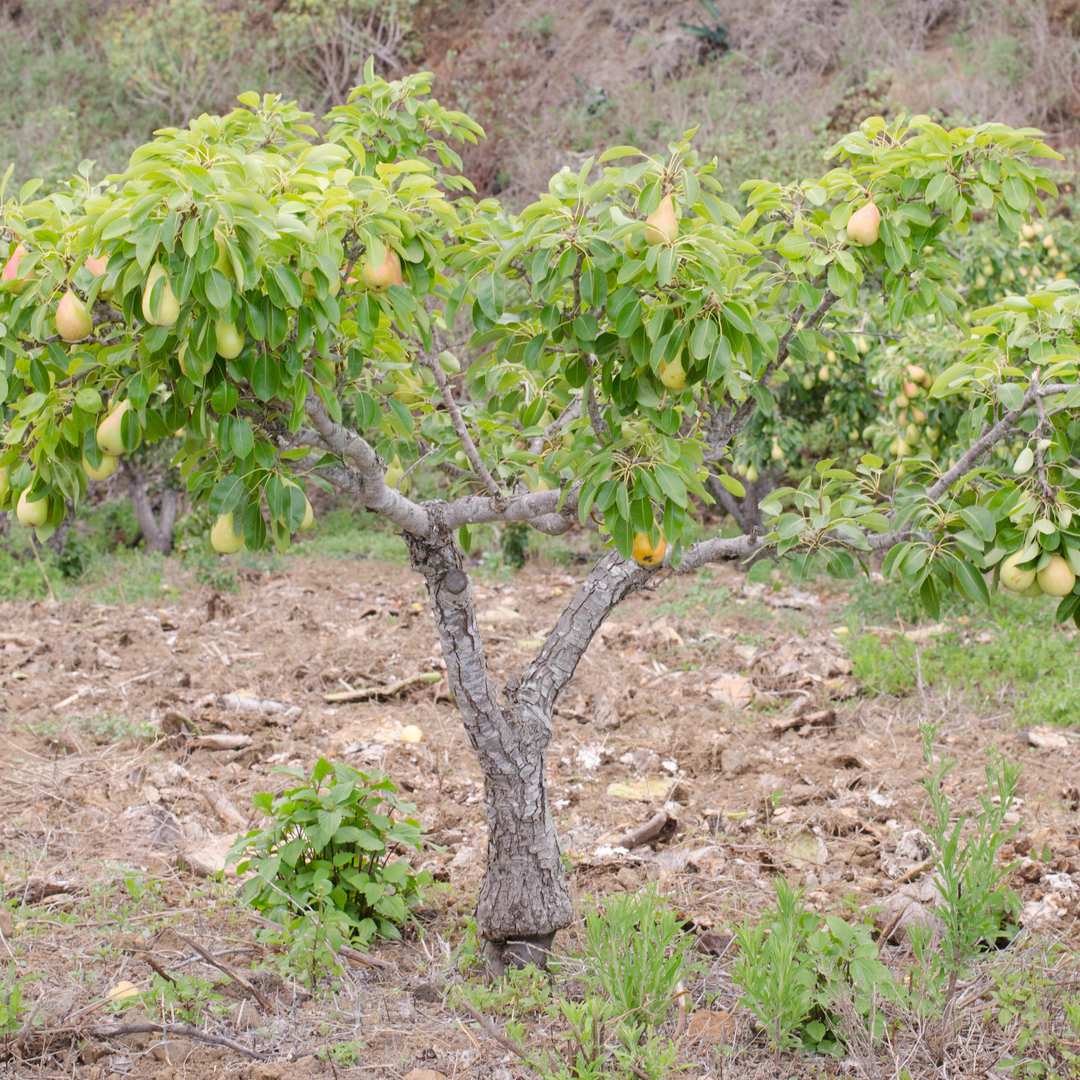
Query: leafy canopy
x=612, y=374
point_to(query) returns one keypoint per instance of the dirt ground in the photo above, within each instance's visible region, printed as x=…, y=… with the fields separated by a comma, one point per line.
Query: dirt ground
x=727, y=705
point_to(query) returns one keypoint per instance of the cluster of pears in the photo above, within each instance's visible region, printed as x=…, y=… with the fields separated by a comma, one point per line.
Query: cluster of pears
x=227, y=539
x=911, y=418
x=1054, y=579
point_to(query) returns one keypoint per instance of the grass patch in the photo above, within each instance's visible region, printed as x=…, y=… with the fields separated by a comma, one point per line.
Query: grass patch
x=1012, y=652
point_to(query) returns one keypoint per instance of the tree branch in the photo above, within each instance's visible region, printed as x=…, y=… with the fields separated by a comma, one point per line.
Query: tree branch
x=612, y=579
x=431, y=361
x=368, y=479
x=726, y=430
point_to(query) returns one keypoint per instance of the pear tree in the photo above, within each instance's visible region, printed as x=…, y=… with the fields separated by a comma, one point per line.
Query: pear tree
x=290, y=303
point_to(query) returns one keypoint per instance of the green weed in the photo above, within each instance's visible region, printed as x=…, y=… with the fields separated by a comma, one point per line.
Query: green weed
x=793, y=974
x=323, y=867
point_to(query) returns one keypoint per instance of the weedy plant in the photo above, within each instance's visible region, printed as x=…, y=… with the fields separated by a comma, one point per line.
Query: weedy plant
x=620, y=993
x=325, y=868
x=792, y=974
x=977, y=908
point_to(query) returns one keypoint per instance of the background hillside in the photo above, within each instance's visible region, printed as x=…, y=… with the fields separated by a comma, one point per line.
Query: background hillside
x=769, y=81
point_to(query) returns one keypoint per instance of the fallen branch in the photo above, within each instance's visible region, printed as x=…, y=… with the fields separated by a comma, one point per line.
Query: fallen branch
x=211, y=959
x=220, y=805
x=643, y=833
x=822, y=718
x=178, y=1029
x=366, y=692
x=223, y=741
x=239, y=703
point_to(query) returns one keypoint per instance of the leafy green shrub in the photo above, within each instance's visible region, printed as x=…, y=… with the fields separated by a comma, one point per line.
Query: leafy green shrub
x=792, y=974
x=328, y=859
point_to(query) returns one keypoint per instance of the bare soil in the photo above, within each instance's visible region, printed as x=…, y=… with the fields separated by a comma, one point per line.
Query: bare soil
x=728, y=704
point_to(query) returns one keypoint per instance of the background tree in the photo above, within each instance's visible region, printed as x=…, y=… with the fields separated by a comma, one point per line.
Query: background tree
x=288, y=302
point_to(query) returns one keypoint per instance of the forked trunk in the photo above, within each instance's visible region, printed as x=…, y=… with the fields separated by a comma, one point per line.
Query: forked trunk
x=524, y=898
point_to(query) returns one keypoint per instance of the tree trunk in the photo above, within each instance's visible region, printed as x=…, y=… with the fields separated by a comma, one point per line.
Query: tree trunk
x=157, y=530
x=524, y=898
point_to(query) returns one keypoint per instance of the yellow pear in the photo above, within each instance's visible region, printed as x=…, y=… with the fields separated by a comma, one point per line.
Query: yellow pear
x=663, y=225
x=1013, y=579
x=230, y=342
x=1032, y=591
x=1056, y=578
x=73, y=321
x=168, y=307
x=108, y=466
x=672, y=375
x=224, y=537
x=32, y=514
x=645, y=552
x=379, y=278
x=108, y=433
x=862, y=226
x=97, y=264
x=777, y=452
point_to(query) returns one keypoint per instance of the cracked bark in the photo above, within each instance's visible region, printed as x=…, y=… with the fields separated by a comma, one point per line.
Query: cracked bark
x=524, y=899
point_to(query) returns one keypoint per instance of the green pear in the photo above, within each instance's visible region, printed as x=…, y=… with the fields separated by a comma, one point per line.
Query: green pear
x=1056, y=578
x=1012, y=578
x=230, y=342
x=108, y=466
x=223, y=536
x=32, y=514
x=108, y=433
x=168, y=307
x=673, y=375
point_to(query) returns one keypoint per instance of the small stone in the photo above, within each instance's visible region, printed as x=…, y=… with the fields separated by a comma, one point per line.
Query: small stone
x=172, y=1052
x=424, y=1074
x=711, y=1027
x=733, y=761
x=7, y=923
x=629, y=879
x=1047, y=738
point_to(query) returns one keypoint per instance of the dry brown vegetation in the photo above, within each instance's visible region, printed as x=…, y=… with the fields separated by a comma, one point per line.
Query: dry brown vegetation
x=724, y=715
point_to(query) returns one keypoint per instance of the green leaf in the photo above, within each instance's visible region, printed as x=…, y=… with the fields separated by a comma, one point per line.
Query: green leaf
x=218, y=289
x=491, y=295
x=242, y=438
x=289, y=284
x=980, y=521
x=1010, y=395
x=264, y=377
x=226, y=495
x=971, y=583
